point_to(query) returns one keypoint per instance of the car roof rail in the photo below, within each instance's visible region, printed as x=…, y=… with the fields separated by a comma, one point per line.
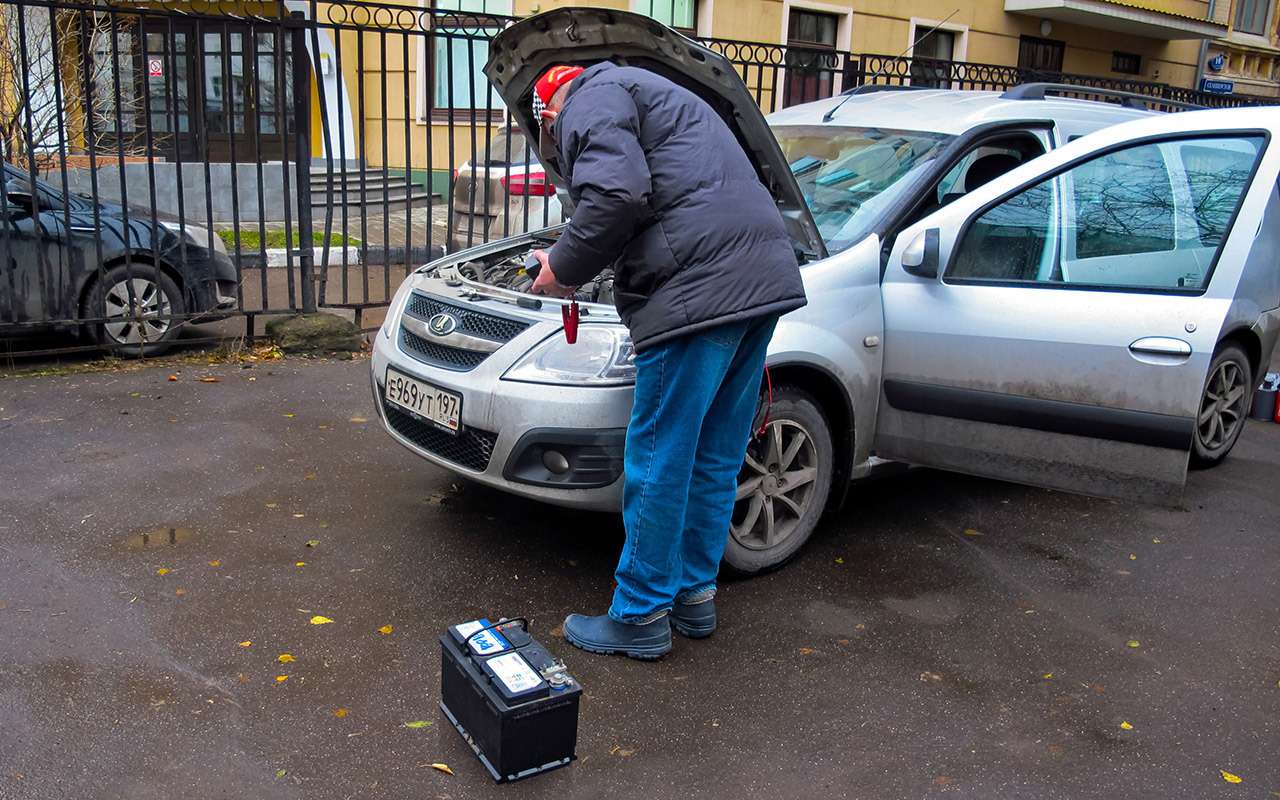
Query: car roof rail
x=1037, y=91
x=872, y=88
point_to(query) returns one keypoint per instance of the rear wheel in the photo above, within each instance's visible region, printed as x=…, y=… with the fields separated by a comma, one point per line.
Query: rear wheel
x=136, y=302
x=1223, y=407
x=783, y=486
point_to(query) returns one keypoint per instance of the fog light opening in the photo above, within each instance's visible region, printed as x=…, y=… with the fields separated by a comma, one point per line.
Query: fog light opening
x=555, y=462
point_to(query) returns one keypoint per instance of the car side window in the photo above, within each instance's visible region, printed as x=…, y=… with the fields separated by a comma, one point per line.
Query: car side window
x=1148, y=216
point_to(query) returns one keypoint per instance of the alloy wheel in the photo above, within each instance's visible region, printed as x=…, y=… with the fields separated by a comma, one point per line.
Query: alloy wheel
x=1223, y=407
x=138, y=319
x=775, y=487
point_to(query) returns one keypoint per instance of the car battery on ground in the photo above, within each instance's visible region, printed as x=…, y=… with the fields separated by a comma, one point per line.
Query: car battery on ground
x=514, y=703
x=1264, y=399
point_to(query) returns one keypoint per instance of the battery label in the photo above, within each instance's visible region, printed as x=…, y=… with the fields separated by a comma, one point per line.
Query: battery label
x=515, y=672
x=484, y=643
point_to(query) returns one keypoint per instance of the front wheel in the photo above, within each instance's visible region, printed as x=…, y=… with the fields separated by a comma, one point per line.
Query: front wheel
x=783, y=486
x=138, y=303
x=1223, y=407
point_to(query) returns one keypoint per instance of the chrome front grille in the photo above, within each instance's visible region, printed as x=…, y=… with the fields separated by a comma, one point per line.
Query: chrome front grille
x=470, y=323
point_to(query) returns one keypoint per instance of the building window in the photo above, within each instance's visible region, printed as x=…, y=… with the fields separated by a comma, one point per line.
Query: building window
x=1251, y=16
x=1127, y=63
x=812, y=62
x=456, y=78
x=1040, y=55
x=931, y=57
x=679, y=14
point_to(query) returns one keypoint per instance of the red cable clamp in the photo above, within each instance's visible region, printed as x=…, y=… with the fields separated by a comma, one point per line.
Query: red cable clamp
x=569, y=314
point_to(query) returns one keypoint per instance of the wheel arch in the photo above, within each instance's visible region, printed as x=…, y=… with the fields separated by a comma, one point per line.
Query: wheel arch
x=827, y=390
x=1248, y=341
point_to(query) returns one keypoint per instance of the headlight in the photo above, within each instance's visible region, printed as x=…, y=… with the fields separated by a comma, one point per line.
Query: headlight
x=196, y=234
x=602, y=356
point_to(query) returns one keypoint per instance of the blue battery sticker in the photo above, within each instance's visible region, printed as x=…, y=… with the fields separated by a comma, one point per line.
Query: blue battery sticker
x=487, y=642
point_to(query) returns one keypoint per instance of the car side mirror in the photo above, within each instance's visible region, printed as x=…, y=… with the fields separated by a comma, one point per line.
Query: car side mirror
x=17, y=193
x=920, y=258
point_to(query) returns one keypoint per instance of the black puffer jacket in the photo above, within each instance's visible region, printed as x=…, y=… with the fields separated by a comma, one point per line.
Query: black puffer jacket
x=666, y=196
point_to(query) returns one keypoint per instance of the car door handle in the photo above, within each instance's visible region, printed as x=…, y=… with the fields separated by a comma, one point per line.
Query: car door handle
x=1161, y=346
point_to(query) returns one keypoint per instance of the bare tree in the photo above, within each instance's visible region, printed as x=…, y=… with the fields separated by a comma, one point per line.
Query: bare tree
x=59, y=73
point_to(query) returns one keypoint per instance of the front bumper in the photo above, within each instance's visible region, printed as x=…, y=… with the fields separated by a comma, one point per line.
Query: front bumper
x=558, y=444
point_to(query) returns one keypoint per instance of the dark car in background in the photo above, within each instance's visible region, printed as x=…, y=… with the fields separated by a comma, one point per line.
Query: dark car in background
x=128, y=281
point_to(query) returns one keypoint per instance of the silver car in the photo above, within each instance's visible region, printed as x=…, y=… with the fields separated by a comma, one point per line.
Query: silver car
x=1056, y=292
x=503, y=192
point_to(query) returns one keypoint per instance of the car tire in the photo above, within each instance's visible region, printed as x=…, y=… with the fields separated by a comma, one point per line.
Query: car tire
x=154, y=292
x=1224, y=406
x=774, y=514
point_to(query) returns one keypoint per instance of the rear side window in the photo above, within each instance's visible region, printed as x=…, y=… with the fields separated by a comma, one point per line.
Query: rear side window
x=1150, y=216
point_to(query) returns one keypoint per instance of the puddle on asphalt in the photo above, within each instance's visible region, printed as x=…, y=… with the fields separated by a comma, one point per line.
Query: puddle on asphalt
x=156, y=538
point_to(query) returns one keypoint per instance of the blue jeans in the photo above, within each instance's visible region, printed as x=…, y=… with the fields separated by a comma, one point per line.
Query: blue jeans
x=695, y=400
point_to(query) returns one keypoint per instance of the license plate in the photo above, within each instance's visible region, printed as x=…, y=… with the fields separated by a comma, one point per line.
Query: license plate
x=429, y=402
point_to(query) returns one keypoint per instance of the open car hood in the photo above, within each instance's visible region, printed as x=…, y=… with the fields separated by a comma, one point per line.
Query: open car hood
x=521, y=53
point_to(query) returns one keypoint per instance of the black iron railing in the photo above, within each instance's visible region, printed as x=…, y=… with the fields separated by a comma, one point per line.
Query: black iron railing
x=177, y=161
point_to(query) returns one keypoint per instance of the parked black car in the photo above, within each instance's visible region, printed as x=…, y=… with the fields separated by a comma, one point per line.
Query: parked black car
x=65, y=260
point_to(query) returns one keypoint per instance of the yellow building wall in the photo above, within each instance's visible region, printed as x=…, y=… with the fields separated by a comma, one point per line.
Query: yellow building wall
x=870, y=26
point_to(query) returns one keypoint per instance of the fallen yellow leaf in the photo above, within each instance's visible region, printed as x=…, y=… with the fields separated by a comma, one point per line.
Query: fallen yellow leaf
x=173, y=377
x=273, y=505
x=319, y=620
x=285, y=658
x=443, y=768
x=807, y=651
x=313, y=542
x=299, y=563
x=281, y=678
x=1133, y=556
x=162, y=571
x=1125, y=726
x=1048, y=675
x=839, y=560
x=209, y=379
x=418, y=723
x=1157, y=540
x=1229, y=778
x=339, y=712
x=179, y=592
x=290, y=414
x=385, y=629
x=359, y=419
x=246, y=643
x=972, y=532
x=215, y=563
x=299, y=516
x=1134, y=643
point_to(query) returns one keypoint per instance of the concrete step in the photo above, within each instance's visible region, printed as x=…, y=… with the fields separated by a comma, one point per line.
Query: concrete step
x=376, y=201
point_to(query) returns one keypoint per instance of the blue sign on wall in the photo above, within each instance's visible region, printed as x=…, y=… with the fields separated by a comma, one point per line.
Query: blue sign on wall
x=1217, y=62
x=1217, y=87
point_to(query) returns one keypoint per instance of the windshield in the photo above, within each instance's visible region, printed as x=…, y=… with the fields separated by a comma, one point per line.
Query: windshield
x=850, y=175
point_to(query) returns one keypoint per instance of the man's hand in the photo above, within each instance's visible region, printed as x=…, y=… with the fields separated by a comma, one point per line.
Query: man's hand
x=546, y=282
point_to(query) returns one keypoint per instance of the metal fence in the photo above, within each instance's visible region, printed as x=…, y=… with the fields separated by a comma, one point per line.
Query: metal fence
x=178, y=162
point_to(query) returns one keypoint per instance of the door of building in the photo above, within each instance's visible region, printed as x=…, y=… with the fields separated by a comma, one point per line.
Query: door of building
x=1040, y=55
x=215, y=89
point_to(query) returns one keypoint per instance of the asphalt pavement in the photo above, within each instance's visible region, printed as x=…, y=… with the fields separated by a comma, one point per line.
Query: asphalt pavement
x=165, y=543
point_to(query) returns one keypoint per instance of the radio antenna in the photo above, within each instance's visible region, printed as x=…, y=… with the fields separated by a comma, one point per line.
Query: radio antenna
x=827, y=117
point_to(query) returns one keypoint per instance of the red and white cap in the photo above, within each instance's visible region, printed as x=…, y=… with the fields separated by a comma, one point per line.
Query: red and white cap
x=547, y=85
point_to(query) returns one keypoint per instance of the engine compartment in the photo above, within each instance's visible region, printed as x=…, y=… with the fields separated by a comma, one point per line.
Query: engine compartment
x=506, y=270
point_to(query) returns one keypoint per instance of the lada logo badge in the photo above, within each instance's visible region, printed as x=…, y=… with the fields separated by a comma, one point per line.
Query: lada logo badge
x=442, y=324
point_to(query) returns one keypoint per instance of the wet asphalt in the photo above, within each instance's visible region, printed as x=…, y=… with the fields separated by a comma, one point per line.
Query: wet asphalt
x=943, y=636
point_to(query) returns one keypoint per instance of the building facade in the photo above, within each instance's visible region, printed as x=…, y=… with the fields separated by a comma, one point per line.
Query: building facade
x=1247, y=59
